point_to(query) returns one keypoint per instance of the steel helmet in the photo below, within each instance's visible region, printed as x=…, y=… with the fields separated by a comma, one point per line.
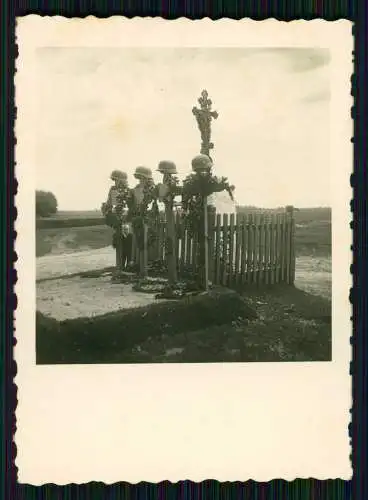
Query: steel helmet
x=143, y=173
x=201, y=163
x=118, y=175
x=167, y=167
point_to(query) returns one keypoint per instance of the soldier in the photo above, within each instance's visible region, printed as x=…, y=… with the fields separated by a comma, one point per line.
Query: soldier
x=115, y=210
x=202, y=164
x=144, y=207
x=144, y=176
x=120, y=180
x=167, y=192
x=168, y=170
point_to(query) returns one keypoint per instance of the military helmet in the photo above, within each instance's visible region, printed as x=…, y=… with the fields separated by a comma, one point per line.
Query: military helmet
x=201, y=163
x=118, y=175
x=167, y=167
x=143, y=173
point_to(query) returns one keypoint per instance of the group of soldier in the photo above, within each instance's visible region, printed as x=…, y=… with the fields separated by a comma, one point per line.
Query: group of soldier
x=117, y=215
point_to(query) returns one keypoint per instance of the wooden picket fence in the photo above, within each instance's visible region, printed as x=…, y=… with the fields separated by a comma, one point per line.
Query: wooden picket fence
x=254, y=248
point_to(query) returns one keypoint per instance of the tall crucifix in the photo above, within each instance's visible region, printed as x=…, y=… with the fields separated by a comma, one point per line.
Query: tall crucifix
x=204, y=116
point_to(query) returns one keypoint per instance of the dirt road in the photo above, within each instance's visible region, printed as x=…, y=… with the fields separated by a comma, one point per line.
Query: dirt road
x=314, y=275
x=50, y=266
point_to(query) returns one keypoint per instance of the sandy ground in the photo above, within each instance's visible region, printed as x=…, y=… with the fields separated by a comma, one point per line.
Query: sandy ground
x=75, y=296
x=86, y=297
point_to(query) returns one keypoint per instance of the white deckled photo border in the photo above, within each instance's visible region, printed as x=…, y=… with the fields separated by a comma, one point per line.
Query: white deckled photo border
x=229, y=421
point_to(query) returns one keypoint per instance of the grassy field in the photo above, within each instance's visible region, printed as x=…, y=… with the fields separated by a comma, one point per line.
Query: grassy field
x=77, y=214
x=313, y=238
x=313, y=231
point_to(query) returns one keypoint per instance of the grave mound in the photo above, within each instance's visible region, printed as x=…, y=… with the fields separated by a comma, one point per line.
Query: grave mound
x=96, y=339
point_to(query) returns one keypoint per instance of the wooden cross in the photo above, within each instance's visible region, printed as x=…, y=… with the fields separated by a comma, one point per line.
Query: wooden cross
x=204, y=115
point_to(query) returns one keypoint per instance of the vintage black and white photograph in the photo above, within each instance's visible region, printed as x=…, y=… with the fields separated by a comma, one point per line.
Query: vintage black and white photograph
x=183, y=209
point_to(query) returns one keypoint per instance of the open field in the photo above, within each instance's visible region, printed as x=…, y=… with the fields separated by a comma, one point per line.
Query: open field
x=313, y=238
x=77, y=214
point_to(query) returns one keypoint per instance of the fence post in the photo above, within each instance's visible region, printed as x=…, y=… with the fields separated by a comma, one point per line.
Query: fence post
x=178, y=240
x=211, y=243
x=261, y=251
x=218, y=250
x=290, y=211
x=278, y=245
x=205, y=244
x=250, y=249
x=143, y=260
x=225, y=252
x=170, y=241
x=256, y=225
x=118, y=249
x=284, y=243
x=245, y=250
x=231, y=249
x=238, y=248
x=272, y=248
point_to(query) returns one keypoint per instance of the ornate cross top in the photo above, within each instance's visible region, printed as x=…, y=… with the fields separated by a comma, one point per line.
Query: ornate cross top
x=204, y=115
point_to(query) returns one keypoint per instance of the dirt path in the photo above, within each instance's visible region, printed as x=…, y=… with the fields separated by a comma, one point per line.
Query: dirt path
x=52, y=266
x=314, y=275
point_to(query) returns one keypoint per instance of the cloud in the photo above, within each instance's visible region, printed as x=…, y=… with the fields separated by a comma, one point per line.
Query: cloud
x=116, y=108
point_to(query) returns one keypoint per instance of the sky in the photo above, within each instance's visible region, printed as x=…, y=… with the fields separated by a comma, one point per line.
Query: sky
x=100, y=109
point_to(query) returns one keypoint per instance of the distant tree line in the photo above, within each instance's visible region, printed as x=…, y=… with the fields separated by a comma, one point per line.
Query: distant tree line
x=46, y=204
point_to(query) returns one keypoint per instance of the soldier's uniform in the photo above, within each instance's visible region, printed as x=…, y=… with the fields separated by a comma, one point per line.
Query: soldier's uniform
x=123, y=229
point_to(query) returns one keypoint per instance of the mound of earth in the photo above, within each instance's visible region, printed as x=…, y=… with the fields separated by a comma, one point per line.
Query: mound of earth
x=95, y=339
